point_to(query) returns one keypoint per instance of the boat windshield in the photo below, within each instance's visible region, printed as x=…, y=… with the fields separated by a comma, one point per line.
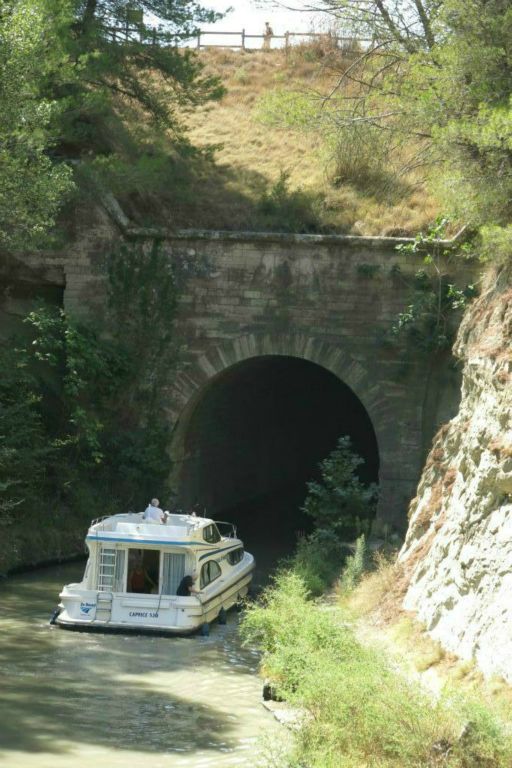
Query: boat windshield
x=227, y=530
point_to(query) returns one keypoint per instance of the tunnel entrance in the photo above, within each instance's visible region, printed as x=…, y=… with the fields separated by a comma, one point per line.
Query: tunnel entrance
x=255, y=437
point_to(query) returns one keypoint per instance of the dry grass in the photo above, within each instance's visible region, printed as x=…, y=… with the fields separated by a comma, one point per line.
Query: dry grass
x=252, y=156
x=376, y=605
x=380, y=592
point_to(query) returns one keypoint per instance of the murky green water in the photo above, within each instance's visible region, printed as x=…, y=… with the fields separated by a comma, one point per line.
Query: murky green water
x=77, y=699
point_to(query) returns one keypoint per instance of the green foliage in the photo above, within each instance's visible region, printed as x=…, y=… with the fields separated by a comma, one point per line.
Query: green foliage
x=287, y=109
x=341, y=507
x=362, y=155
x=359, y=710
x=23, y=447
x=341, y=504
x=88, y=371
x=142, y=303
x=31, y=186
x=433, y=92
x=495, y=243
x=115, y=78
x=356, y=153
x=80, y=412
x=318, y=560
x=354, y=567
x=73, y=88
x=429, y=321
x=468, y=103
x=285, y=211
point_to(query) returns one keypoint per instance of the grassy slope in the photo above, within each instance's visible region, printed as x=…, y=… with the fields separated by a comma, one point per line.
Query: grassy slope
x=253, y=155
x=376, y=606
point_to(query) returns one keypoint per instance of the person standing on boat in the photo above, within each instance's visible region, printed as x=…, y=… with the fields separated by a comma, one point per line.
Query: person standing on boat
x=140, y=580
x=153, y=513
x=186, y=586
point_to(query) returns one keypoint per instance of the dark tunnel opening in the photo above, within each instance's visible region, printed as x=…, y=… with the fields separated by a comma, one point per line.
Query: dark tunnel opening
x=255, y=438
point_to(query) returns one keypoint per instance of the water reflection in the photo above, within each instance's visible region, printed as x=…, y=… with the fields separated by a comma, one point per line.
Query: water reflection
x=71, y=698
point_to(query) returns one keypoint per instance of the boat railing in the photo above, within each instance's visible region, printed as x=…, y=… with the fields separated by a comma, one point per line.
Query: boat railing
x=227, y=530
x=99, y=520
x=102, y=519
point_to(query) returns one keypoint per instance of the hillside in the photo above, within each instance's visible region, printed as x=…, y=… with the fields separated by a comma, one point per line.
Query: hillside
x=265, y=176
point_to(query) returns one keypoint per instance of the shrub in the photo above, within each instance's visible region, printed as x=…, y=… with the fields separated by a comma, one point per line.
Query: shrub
x=341, y=507
x=354, y=566
x=358, y=709
x=341, y=503
x=318, y=560
x=287, y=211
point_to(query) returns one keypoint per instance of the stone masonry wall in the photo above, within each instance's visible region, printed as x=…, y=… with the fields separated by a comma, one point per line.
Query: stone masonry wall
x=309, y=296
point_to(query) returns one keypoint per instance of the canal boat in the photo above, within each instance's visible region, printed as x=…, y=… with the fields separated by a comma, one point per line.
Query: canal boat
x=137, y=568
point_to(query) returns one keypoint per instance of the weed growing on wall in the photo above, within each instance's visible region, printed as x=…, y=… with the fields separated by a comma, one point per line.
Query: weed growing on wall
x=430, y=320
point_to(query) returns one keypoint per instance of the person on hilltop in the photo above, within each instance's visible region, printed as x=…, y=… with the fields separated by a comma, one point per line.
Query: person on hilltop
x=153, y=513
x=268, y=33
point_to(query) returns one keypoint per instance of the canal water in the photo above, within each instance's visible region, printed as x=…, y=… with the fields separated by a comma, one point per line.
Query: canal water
x=81, y=699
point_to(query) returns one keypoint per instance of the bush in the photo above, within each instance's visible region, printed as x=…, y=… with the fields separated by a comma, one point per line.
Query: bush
x=80, y=422
x=341, y=507
x=318, y=560
x=341, y=504
x=354, y=566
x=358, y=710
x=287, y=211
x=360, y=154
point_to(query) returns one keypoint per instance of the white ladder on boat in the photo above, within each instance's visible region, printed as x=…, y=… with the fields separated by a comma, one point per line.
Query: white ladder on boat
x=107, y=568
x=104, y=607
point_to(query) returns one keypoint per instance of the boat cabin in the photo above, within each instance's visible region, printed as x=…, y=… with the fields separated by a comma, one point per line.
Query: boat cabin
x=135, y=567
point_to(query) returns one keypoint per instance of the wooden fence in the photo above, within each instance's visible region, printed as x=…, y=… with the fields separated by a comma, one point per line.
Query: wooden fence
x=335, y=41
x=153, y=36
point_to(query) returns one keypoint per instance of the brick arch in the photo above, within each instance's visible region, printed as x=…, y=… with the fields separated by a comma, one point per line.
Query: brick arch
x=191, y=384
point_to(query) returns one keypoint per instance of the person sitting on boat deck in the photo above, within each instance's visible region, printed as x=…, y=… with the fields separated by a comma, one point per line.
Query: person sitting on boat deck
x=186, y=586
x=140, y=580
x=153, y=513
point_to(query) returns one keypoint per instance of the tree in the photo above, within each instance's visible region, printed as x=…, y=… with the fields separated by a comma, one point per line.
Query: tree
x=31, y=186
x=436, y=86
x=124, y=69
x=409, y=24
x=341, y=504
x=466, y=91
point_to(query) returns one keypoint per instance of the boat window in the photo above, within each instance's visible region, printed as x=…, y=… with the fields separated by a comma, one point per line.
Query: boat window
x=143, y=571
x=209, y=572
x=118, y=585
x=235, y=556
x=211, y=534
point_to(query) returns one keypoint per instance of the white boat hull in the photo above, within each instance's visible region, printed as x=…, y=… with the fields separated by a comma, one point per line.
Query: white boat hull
x=169, y=614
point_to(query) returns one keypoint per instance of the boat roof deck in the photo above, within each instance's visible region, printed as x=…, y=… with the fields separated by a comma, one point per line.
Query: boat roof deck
x=132, y=526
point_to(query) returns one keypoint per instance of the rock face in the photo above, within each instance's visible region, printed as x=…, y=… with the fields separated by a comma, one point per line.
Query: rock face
x=458, y=549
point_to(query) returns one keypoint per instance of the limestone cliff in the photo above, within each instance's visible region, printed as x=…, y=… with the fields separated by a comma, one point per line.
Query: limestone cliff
x=458, y=549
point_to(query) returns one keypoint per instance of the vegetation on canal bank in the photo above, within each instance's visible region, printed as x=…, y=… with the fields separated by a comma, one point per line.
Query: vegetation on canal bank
x=360, y=705
x=80, y=413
